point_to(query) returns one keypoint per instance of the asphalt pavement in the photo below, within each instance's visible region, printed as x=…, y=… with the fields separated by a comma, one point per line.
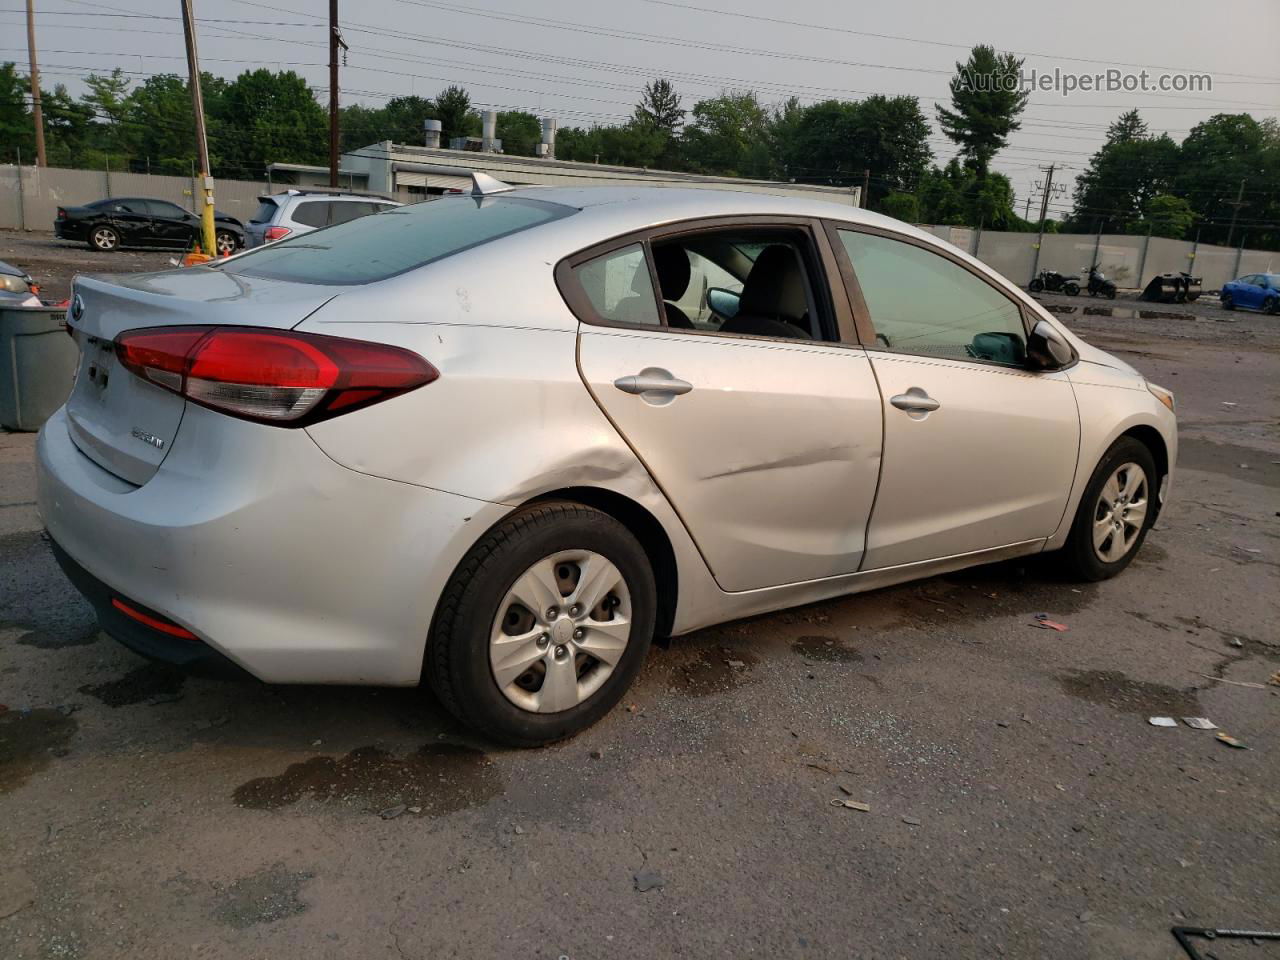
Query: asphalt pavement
x=1019, y=802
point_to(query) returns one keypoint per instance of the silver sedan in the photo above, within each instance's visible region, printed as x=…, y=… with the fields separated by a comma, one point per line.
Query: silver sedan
x=498, y=442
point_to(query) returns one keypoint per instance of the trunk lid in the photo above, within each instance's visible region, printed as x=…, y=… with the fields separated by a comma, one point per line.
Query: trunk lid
x=123, y=423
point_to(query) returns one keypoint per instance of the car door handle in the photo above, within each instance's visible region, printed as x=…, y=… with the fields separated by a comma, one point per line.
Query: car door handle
x=915, y=400
x=653, y=381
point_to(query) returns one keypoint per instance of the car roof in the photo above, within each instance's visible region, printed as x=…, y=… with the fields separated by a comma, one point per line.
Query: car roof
x=622, y=209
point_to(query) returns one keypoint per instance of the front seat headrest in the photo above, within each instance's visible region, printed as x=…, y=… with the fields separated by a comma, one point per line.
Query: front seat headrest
x=672, y=264
x=775, y=286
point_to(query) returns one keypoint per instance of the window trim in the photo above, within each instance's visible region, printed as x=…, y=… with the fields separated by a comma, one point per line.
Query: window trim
x=862, y=314
x=836, y=318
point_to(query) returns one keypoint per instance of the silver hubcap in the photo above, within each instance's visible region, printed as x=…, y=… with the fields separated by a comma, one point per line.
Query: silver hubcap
x=560, y=631
x=105, y=239
x=225, y=244
x=1120, y=513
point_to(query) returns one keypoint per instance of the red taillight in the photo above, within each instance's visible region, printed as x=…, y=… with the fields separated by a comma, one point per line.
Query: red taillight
x=271, y=376
x=155, y=623
x=62, y=214
x=276, y=233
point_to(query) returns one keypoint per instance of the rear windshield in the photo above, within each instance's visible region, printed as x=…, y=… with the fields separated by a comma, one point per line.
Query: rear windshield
x=266, y=210
x=402, y=238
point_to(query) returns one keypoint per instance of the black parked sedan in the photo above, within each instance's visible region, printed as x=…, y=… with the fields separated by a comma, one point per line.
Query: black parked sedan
x=139, y=222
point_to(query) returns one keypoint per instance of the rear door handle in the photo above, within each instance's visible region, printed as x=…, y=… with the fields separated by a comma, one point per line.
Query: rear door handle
x=915, y=400
x=657, y=383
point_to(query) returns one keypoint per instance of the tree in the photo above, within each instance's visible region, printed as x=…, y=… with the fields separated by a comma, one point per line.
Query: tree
x=1165, y=216
x=1123, y=176
x=519, y=131
x=633, y=144
x=901, y=206
x=263, y=117
x=659, y=107
x=729, y=135
x=402, y=119
x=1216, y=156
x=452, y=107
x=159, y=115
x=986, y=99
x=17, y=134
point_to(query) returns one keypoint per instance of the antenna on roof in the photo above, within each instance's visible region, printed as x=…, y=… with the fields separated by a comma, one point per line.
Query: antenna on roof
x=482, y=185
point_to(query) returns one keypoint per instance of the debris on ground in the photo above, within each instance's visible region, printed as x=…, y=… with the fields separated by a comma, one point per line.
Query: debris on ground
x=851, y=804
x=1236, y=683
x=1275, y=679
x=597, y=754
x=392, y=812
x=647, y=880
x=911, y=820
x=1162, y=721
x=1200, y=723
x=1043, y=621
x=1231, y=741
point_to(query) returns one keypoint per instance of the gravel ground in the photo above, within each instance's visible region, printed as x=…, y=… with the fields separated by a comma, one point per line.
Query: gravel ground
x=1020, y=804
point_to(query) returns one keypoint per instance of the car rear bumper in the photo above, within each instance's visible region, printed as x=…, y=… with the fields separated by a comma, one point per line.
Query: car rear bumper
x=290, y=566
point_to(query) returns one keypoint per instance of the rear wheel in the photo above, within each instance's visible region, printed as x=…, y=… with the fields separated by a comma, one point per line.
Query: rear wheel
x=544, y=624
x=1272, y=305
x=1111, y=293
x=1036, y=285
x=104, y=238
x=1114, y=514
x=1071, y=289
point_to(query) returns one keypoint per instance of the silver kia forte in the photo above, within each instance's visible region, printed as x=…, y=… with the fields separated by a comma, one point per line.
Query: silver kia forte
x=500, y=441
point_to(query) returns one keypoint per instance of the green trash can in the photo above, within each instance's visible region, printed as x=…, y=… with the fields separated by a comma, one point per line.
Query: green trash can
x=37, y=363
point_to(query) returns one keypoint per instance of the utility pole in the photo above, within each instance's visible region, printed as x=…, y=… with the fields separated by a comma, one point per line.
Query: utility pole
x=1235, y=210
x=37, y=113
x=334, y=39
x=207, y=243
x=1026, y=214
x=866, y=187
x=1044, y=209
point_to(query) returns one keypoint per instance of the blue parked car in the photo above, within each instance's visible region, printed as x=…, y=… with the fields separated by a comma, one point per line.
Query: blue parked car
x=1257, y=291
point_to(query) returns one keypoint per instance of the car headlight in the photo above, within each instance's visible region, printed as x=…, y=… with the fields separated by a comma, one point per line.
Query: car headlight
x=11, y=284
x=1163, y=395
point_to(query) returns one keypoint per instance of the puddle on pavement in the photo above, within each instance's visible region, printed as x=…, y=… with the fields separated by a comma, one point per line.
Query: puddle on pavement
x=712, y=671
x=438, y=777
x=42, y=640
x=1117, y=313
x=1113, y=689
x=152, y=683
x=1226, y=459
x=825, y=650
x=29, y=740
x=263, y=897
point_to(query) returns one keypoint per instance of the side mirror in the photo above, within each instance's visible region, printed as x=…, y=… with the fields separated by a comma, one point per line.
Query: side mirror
x=724, y=302
x=1047, y=349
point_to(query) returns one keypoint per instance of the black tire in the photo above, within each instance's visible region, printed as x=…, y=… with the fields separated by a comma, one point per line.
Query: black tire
x=1071, y=289
x=103, y=238
x=457, y=657
x=1079, y=558
x=225, y=243
x=1228, y=302
x=1111, y=293
x=1036, y=285
x=1271, y=305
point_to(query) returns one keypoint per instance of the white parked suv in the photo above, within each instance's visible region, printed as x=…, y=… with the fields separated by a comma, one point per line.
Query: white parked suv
x=293, y=212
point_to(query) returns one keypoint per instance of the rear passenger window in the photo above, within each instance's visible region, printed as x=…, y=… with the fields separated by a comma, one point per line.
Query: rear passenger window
x=922, y=303
x=619, y=286
x=342, y=211
x=312, y=213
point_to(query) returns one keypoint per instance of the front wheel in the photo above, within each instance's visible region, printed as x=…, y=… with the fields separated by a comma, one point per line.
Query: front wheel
x=1272, y=305
x=225, y=243
x=544, y=624
x=1114, y=514
x=104, y=238
x=1071, y=289
x=1036, y=285
x=1228, y=302
x=1111, y=293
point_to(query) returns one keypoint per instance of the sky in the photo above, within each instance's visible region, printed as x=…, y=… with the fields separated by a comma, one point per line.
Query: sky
x=586, y=61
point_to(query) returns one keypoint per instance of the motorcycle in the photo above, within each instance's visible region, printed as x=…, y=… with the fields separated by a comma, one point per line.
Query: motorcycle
x=1054, y=282
x=1099, y=285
